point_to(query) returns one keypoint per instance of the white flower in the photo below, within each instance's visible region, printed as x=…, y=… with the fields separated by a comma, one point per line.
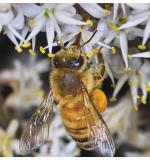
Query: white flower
x=49, y=17
x=139, y=6
x=26, y=84
x=10, y=22
x=116, y=8
x=120, y=31
x=95, y=10
x=137, y=77
x=118, y=116
x=7, y=138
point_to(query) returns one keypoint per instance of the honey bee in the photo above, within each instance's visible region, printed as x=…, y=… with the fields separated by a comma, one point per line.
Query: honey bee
x=74, y=84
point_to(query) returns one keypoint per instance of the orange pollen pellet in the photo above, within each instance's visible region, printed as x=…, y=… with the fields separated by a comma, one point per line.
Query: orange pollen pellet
x=100, y=100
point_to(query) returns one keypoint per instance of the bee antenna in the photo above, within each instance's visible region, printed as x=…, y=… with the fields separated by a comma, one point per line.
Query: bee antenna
x=89, y=39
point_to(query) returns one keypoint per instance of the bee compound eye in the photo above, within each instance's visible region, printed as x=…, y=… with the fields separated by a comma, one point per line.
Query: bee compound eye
x=77, y=63
x=81, y=60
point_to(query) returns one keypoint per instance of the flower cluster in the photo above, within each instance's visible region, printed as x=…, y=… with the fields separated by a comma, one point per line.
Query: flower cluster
x=119, y=31
x=117, y=26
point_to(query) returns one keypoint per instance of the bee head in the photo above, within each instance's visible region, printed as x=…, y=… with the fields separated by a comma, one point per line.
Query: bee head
x=70, y=58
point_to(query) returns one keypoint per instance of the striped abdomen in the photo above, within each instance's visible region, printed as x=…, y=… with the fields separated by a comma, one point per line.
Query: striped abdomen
x=75, y=122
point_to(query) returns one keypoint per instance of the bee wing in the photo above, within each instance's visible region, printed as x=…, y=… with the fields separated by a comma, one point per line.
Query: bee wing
x=36, y=130
x=98, y=132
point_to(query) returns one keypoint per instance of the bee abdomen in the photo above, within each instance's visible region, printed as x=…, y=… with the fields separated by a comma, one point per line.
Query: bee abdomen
x=75, y=123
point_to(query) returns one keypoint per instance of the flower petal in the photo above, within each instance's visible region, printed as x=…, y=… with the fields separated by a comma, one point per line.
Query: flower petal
x=0, y=28
x=15, y=33
x=124, y=47
x=133, y=22
x=30, y=9
x=69, y=29
x=33, y=43
x=123, y=9
x=56, y=26
x=134, y=87
x=93, y=9
x=143, y=55
x=119, y=84
x=37, y=28
x=18, y=21
x=24, y=33
x=115, y=11
x=63, y=6
x=109, y=72
x=137, y=32
x=146, y=32
x=103, y=45
x=5, y=18
x=101, y=29
x=12, y=37
x=50, y=35
x=139, y=6
x=143, y=81
x=110, y=37
x=62, y=17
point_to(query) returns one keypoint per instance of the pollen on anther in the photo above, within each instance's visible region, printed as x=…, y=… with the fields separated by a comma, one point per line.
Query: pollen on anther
x=18, y=49
x=31, y=22
x=113, y=99
x=127, y=69
x=106, y=12
x=143, y=99
x=142, y=46
x=42, y=50
x=32, y=52
x=50, y=55
x=113, y=50
x=129, y=56
x=135, y=106
x=148, y=87
x=90, y=54
x=89, y=22
x=26, y=44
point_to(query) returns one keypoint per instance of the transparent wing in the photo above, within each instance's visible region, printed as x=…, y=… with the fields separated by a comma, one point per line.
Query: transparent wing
x=99, y=135
x=36, y=130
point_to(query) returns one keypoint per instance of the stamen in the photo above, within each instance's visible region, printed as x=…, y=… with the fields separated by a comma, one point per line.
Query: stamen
x=114, y=27
x=18, y=49
x=106, y=12
x=50, y=55
x=122, y=21
x=61, y=42
x=113, y=50
x=42, y=50
x=31, y=22
x=112, y=85
x=108, y=7
x=32, y=52
x=49, y=11
x=135, y=106
x=89, y=22
x=90, y=54
x=26, y=44
x=113, y=99
x=148, y=87
x=143, y=99
x=127, y=69
x=142, y=46
x=129, y=56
